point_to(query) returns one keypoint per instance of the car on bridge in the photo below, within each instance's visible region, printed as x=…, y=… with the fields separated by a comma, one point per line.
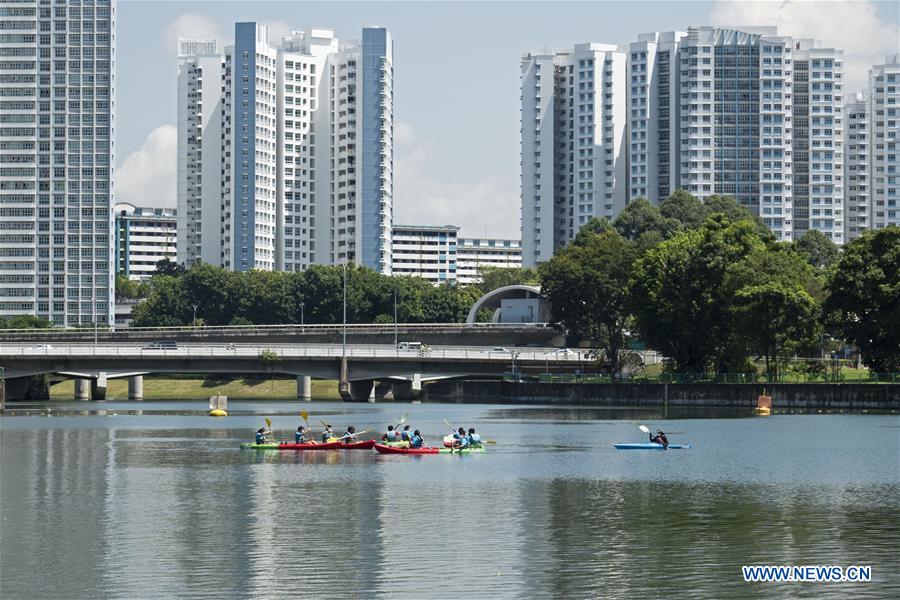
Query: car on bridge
x=161, y=345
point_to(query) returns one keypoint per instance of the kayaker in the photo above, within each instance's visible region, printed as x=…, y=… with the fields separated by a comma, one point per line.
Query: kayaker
x=391, y=435
x=660, y=438
x=462, y=440
x=405, y=436
x=327, y=433
x=300, y=436
x=349, y=435
x=474, y=438
x=416, y=440
x=261, y=434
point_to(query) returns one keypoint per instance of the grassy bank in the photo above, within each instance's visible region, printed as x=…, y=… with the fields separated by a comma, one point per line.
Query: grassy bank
x=164, y=388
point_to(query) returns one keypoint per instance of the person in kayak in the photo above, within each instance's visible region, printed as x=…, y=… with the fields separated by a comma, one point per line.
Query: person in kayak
x=660, y=438
x=261, y=434
x=462, y=440
x=327, y=433
x=300, y=436
x=474, y=438
x=416, y=440
x=349, y=435
x=405, y=435
x=391, y=435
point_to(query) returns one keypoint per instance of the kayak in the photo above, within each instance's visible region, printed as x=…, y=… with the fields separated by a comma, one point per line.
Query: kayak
x=400, y=444
x=364, y=445
x=651, y=446
x=384, y=449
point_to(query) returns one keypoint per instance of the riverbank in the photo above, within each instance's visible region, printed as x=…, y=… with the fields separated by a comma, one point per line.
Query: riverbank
x=169, y=388
x=739, y=395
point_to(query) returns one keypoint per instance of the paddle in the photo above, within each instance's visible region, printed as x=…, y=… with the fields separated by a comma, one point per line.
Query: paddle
x=453, y=429
x=337, y=439
x=644, y=428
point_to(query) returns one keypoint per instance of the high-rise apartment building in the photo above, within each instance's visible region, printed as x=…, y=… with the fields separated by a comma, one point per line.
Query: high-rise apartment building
x=857, y=209
x=884, y=117
x=739, y=112
x=57, y=126
x=200, y=145
x=573, y=143
x=286, y=151
x=654, y=125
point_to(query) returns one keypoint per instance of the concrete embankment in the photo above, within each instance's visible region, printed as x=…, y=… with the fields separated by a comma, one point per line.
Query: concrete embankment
x=785, y=395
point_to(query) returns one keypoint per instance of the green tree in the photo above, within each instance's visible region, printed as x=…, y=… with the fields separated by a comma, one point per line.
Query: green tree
x=863, y=305
x=167, y=267
x=686, y=209
x=817, y=249
x=492, y=278
x=128, y=289
x=734, y=211
x=587, y=286
x=678, y=296
x=24, y=322
x=640, y=218
x=166, y=306
x=773, y=317
x=214, y=291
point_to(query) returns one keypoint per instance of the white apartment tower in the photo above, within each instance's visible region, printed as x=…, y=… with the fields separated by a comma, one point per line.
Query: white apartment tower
x=653, y=116
x=200, y=140
x=57, y=126
x=740, y=112
x=884, y=116
x=761, y=121
x=285, y=157
x=858, y=215
x=573, y=135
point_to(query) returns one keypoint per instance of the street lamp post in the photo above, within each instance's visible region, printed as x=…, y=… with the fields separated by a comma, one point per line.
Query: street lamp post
x=194, y=321
x=301, y=314
x=344, y=343
x=396, y=326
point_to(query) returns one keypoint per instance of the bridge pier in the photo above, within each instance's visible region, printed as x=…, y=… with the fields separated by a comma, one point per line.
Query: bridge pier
x=304, y=387
x=98, y=387
x=362, y=391
x=408, y=390
x=82, y=389
x=136, y=387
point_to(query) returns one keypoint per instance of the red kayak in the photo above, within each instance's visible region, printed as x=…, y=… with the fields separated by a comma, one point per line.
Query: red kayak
x=364, y=445
x=382, y=449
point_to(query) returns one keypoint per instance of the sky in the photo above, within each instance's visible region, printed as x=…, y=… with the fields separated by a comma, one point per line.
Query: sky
x=456, y=80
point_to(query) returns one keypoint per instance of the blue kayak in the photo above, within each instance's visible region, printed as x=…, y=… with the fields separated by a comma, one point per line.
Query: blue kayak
x=651, y=446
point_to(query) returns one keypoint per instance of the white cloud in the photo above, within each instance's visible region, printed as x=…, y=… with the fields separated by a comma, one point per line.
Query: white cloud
x=148, y=175
x=486, y=207
x=192, y=26
x=849, y=25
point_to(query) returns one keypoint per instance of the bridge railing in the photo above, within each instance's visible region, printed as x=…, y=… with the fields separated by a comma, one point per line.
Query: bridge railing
x=276, y=353
x=286, y=328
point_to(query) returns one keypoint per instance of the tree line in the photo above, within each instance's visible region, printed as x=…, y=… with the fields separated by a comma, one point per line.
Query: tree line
x=216, y=296
x=706, y=284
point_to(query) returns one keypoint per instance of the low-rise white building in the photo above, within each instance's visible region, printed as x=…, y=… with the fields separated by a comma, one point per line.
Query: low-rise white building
x=473, y=254
x=425, y=251
x=144, y=236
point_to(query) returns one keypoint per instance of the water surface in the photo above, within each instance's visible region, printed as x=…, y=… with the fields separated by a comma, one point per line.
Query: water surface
x=155, y=500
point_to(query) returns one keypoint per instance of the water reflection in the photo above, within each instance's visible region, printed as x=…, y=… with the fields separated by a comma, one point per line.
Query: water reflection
x=177, y=509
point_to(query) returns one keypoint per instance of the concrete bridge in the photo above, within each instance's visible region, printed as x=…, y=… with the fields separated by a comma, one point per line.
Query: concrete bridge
x=361, y=370
x=433, y=334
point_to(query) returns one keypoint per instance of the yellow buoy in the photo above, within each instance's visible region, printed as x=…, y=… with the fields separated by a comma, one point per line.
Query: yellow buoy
x=218, y=412
x=763, y=410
